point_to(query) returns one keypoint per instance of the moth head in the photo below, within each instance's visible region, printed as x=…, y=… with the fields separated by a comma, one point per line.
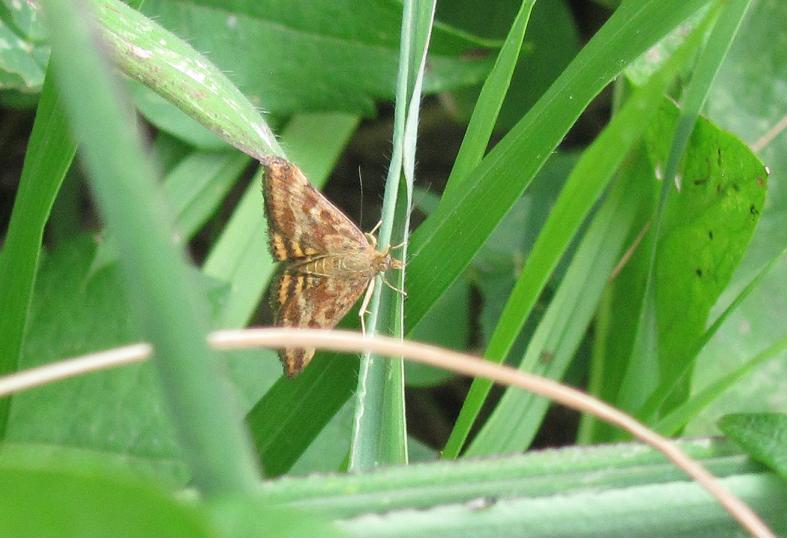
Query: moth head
x=385, y=261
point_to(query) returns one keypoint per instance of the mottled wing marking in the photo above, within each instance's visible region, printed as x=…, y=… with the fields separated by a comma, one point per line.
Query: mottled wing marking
x=309, y=301
x=331, y=262
x=302, y=222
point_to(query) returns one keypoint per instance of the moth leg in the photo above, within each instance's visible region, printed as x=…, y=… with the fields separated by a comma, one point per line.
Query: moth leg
x=397, y=290
x=366, y=298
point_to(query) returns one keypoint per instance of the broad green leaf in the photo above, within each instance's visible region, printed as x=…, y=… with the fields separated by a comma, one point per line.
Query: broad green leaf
x=308, y=56
x=121, y=411
x=706, y=229
x=53, y=502
x=746, y=101
x=707, y=66
x=762, y=435
x=23, y=57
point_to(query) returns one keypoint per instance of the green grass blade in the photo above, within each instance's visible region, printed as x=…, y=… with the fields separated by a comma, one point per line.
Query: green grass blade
x=583, y=188
x=516, y=419
x=708, y=65
x=294, y=411
x=198, y=184
x=488, y=105
x=533, y=474
x=631, y=489
x=379, y=431
x=681, y=415
x=49, y=155
x=160, y=286
x=454, y=233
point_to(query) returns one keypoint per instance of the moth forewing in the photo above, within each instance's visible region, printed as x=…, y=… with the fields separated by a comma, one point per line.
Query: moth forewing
x=330, y=261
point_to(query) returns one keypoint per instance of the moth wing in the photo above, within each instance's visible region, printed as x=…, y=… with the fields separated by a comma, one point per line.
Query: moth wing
x=301, y=221
x=309, y=301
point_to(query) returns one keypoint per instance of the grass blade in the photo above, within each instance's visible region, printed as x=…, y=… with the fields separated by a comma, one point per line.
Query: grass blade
x=379, y=431
x=488, y=105
x=515, y=420
x=585, y=184
x=681, y=415
x=708, y=65
x=162, y=290
x=48, y=158
x=454, y=232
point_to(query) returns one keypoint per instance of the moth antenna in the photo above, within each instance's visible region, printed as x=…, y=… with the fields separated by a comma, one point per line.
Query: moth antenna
x=376, y=227
x=360, y=183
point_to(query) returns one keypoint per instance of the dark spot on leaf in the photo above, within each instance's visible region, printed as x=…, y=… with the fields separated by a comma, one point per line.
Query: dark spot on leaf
x=761, y=182
x=546, y=356
x=753, y=210
x=699, y=272
x=736, y=187
x=700, y=181
x=718, y=156
x=710, y=234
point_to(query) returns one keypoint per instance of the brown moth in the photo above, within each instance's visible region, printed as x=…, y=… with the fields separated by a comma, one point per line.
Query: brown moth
x=329, y=260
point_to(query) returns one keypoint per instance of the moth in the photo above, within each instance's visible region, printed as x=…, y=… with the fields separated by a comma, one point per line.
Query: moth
x=328, y=261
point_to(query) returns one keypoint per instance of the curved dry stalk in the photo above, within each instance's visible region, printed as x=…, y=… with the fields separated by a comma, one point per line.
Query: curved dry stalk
x=442, y=358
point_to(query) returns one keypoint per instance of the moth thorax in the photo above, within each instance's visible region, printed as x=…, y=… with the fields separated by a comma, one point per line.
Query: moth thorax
x=381, y=262
x=361, y=262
